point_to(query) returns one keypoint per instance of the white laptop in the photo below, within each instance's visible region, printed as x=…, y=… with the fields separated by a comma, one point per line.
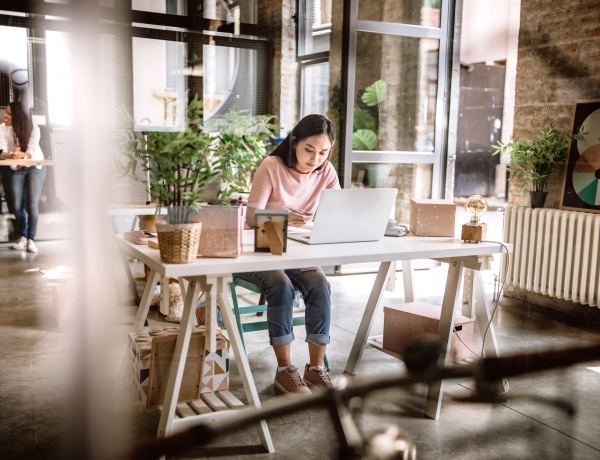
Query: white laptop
x=348, y=216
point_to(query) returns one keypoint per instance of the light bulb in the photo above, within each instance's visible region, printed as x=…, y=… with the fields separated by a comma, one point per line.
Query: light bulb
x=476, y=207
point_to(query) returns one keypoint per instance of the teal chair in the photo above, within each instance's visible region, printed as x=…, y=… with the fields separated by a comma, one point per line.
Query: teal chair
x=259, y=310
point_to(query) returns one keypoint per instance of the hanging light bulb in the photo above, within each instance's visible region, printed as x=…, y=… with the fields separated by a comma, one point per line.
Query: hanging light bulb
x=475, y=231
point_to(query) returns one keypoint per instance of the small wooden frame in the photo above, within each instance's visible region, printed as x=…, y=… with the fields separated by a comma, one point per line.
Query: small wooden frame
x=270, y=231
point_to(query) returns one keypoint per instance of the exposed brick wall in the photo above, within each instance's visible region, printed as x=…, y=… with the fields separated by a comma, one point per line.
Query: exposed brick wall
x=284, y=99
x=558, y=63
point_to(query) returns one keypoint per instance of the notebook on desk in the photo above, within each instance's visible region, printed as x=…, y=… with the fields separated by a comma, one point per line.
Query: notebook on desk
x=348, y=216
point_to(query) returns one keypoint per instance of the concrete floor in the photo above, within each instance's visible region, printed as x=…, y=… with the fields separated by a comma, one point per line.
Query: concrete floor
x=42, y=411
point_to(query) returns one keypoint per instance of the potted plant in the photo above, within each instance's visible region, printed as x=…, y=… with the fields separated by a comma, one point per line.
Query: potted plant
x=534, y=160
x=179, y=165
x=240, y=145
x=366, y=135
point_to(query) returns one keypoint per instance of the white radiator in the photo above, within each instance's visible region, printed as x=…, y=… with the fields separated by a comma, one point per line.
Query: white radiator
x=555, y=253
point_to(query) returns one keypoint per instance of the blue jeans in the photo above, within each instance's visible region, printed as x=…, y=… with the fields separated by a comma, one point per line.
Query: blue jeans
x=278, y=286
x=25, y=191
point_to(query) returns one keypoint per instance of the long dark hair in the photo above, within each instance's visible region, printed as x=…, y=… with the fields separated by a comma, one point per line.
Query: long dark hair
x=310, y=125
x=21, y=124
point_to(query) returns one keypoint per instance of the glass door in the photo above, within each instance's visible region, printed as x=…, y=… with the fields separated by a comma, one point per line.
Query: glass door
x=397, y=99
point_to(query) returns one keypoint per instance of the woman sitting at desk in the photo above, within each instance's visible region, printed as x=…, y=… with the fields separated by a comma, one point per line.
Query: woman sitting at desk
x=292, y=178
x=20, y=140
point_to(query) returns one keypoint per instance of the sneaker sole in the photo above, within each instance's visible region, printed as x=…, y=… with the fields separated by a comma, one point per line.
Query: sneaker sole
x=282, y=389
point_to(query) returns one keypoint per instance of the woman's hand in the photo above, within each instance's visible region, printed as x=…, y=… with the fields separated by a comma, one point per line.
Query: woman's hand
x=17, y=154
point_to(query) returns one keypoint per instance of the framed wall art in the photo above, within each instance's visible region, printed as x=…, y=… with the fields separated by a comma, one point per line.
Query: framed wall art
x=581, y=180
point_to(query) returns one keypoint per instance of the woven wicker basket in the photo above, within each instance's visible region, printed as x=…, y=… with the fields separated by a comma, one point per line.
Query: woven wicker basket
x=178, y=243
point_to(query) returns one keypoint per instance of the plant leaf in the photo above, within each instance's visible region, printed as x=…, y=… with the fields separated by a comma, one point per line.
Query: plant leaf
x=374, y=94
x=364, y=139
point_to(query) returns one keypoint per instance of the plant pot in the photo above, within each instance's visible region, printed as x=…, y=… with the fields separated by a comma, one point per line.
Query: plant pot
x=379, y=174
x=537, y=199
x=178, y=243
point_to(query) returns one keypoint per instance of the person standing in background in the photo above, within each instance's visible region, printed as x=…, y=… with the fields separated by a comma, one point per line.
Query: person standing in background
x=20, y=139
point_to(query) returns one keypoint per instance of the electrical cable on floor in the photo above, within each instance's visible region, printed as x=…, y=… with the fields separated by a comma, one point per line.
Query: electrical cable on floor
x=496, y=303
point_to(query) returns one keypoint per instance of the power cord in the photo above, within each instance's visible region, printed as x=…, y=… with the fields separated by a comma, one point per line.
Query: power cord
x=502, y=283
x=496, y=302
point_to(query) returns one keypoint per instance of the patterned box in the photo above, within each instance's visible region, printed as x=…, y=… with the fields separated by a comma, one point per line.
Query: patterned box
x=222, y=227
x=215, y=371
x=151, y=352
x=430, y=217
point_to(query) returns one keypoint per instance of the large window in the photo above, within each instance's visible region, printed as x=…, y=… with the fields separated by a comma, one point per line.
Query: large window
x=313, y=42
x=14, y=65
x=395, y=131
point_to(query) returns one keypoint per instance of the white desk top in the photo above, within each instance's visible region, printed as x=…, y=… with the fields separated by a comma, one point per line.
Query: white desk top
x=300, y=255
x=25, y=162
x=134, y=209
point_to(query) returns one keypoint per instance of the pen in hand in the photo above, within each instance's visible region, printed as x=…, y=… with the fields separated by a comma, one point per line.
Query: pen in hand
x=303, y=215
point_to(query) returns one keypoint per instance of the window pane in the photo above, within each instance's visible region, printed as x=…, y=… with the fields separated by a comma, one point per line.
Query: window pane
x=315, y=89
x=159, y=6
x=14, y=71
x=59, y=76
x=234, y=78
x=415, y=12
x=411, y=180
x=158, y=84
x=396, y=87
x=314, y=28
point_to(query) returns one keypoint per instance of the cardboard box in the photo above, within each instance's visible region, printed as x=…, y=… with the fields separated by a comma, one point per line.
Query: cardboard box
x=403, y=323
x=222, y=229
x=430, y=217
x=151, y=353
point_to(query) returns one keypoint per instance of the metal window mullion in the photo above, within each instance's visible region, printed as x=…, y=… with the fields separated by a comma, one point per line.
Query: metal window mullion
x=348, y=109
x=405, y=30
x=447, y=100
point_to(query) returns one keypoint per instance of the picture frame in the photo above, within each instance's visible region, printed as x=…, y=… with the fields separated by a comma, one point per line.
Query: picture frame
x=270, y=230
x=581, y=179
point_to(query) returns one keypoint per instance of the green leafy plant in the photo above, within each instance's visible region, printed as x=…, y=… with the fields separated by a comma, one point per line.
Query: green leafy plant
x=367, y=115
x=534, y=160
x=179, y=164
x=240, y=143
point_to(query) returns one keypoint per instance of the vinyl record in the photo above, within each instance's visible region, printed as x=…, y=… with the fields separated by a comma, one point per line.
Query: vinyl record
x=586, y=170
x=586, y=176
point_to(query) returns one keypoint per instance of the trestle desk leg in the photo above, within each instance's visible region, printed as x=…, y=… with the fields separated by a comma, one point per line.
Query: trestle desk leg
x=142, y=312
x=435, y=391
x=179, y=358
x=242, y=359
x=407, y=281
x=367, y=319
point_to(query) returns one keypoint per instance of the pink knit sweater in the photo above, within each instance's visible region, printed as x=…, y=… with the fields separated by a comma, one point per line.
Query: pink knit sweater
x=275, y=186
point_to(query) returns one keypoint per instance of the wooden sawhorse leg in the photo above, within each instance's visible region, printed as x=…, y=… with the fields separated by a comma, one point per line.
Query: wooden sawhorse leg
x=474, y=299
x=214, y=288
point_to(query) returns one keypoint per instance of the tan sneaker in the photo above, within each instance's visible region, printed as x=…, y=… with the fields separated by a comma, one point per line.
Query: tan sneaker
x=289, y=382
x=318, y=377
